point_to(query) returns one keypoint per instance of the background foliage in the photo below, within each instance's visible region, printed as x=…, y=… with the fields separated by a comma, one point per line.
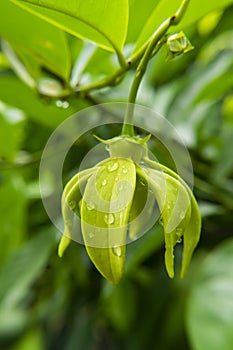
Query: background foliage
x=48, y=303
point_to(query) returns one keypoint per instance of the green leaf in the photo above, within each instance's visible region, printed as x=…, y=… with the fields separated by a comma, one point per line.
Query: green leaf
x=138, y=16
x=143, y=248
x=210, y=303
x=105, y=212
x=15, y=93
x=24, y=266
x=120, y=305
x=103, y=22
x=167, y=8
x=32, y=339
x=13, y=213
x=216, y=88
x=12, y=123
x=47, y=45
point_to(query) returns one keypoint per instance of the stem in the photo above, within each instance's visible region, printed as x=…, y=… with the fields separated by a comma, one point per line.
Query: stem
x=152, y=48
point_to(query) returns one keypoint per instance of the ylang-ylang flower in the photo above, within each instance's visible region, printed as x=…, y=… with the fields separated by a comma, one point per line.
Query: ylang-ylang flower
x=115, y=198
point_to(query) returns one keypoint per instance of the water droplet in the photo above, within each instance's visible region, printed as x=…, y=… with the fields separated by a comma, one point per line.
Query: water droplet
x=72, y=204
x=109, y=219
x=116, y=250
x=125, y=171
x=62, y=104
x=113, y=167
x=179, y=231
x=90, y=206
x=116, y=178
x=104, y=182
x=142, y=162
x=142, y=182
x=91, y=235
x=120, y=187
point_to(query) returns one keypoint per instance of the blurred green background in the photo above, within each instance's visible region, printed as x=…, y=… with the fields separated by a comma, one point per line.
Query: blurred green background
x=52, y=303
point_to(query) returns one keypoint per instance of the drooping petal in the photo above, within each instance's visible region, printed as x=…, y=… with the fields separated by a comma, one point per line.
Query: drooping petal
x=191, y=236
x=174, y=203
x=71, y=197
x=191, y=233
x=105, y=212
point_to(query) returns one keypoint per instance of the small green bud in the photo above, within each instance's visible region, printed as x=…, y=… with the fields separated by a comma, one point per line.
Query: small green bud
x=177, y=44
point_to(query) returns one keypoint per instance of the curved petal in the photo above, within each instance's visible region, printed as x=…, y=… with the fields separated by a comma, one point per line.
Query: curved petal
x=71, y=197
x=141, y=216
x=191, y=234
x=105, y=211
x=174, y=203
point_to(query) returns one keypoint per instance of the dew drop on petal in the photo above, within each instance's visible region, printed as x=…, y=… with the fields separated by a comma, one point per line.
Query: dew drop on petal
x=142, y=182
x=90, y=206
x=125, y=171
x=72, y=204
x=116, y=179
x=104, y=182
x=109, y=219
x=112, y=167
x=117, y=250
x=120, y=187
x=91, y=235
x=179, y=231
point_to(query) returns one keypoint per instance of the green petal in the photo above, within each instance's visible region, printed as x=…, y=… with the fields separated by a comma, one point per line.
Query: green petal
x=71, y=197
x=174, y=204
x=191, y=236
x=141, y=213
x=191, y=233
x=105, y=212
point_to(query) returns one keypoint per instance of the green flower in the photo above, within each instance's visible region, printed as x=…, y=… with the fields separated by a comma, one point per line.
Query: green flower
x=117, y=197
